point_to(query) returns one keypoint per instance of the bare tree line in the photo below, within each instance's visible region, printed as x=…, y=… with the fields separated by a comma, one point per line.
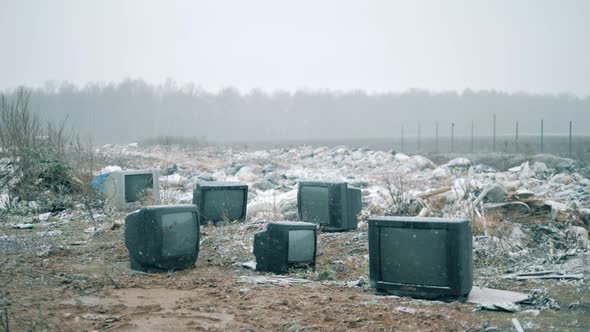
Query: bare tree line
x=134, y=110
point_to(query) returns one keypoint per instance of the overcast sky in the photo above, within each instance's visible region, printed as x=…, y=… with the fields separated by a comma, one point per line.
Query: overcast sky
x=534, y=46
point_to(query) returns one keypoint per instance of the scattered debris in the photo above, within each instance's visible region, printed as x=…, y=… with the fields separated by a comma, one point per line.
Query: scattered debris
x=580, y=234
x=44, y=216
x=495, y=299
x=50, y=233
x=405, y=310
x=274, y=280
x=433, y=192
x=251, y=265
x=539, y=298
x=23, y=226
x=508, y=307
x=492, y=193
x=517, y=325
x=117, y=224
x=360, y=282
x=101, y=317
x=491, y=206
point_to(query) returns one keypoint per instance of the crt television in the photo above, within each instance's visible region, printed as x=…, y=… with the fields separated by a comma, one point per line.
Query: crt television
x=285, y=245
x=332, y=205
x=130, y=188
x=421, y=257
x=218, y=201
x=163, y=237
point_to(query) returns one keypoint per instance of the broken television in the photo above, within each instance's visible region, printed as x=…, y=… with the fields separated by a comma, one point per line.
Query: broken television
x=221, y=201
x=285, y=245
x=427, y=258
x=163, y=238
x=332, y=205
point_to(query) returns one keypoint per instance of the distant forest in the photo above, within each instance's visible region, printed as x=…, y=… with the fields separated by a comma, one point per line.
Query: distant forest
x=134, y=110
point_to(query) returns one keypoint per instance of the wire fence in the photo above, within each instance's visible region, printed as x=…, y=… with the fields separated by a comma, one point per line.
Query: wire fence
x=563, y=144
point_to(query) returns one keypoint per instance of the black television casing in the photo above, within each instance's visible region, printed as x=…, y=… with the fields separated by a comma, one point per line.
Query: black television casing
x=144, y=239
x=459, y=257
x=344, y=205
x=199, y=198
x=271, y=247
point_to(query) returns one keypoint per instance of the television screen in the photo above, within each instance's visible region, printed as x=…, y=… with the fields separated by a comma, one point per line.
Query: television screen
x=421, y=257
x=223, y=204
x=315, y=204
x=178, y=234
x=301, y=245
x=428, y=266
x=136, y=184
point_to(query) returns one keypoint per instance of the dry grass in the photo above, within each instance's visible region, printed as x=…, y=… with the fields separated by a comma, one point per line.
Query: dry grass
x=48, y=166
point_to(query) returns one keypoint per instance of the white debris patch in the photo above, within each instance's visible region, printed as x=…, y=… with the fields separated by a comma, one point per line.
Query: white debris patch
x=453, y=187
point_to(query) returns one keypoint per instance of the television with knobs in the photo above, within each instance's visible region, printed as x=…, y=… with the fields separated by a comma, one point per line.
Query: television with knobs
x=427, y=258
x=332, y=205
x=163, y=237
x=129, y=189
x=285, y=245
x=221, y=201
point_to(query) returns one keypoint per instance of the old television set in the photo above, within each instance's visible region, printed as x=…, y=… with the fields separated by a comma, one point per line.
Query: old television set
x=285, y=245
x=163, y=238
x=332, y=205
x=130, y=188
x=219, y=201
x=427, y=258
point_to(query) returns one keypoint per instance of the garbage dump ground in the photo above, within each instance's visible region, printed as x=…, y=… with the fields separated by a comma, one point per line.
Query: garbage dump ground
x=64, y=270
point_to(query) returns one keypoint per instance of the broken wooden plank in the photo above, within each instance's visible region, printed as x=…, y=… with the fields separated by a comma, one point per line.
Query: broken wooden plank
x=548, y=274
x=534, y=273
x=433, y=192
x=551, y=276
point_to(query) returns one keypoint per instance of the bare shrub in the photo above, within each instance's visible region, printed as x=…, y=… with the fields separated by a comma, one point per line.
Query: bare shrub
x=41, y=161
x=400, y=203
x=84, y=161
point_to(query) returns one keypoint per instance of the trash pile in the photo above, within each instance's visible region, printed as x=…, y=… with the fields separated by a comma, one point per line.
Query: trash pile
x=457, y=188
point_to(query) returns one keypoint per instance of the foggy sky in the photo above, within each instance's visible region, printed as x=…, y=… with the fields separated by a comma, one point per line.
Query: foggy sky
x=533, y=46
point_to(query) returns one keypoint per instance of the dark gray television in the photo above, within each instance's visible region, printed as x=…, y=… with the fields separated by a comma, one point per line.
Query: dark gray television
x=285, y=245
x=219, y=201
x=332, y=205
x=427, y=258
x=163, y=238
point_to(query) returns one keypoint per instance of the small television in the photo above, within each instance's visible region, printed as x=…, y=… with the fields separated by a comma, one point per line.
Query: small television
x=332, y=205
x=129, y=189
x=285, y=245
x=427, y=258
x=163, y=237
x=219, y=201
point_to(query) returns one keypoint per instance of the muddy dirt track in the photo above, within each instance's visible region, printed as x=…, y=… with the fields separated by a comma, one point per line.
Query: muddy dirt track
x=82, y=282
